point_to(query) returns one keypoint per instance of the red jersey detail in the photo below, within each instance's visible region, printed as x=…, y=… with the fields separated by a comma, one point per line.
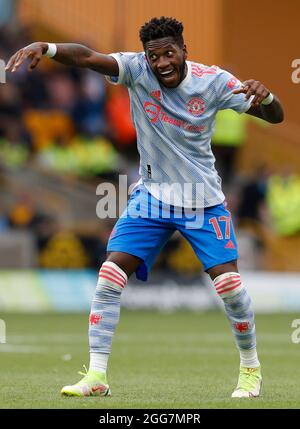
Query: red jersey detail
x=229, y=245
x=201, y=71
x=231, y=83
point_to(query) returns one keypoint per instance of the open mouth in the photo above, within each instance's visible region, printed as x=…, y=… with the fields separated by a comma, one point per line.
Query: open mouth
x=167, y=75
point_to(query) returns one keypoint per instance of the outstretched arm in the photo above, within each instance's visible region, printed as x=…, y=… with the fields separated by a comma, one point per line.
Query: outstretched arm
x=67, y=53
x=272, y=112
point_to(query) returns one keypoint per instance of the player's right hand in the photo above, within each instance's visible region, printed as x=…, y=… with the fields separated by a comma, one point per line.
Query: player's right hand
x=34, y=52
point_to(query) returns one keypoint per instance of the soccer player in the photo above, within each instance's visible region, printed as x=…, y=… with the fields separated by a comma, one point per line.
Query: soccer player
x=173, y=103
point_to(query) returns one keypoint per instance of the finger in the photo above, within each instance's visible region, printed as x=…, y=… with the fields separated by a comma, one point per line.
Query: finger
x=248, y=94
x=18, y=60
x=12, y=60
x=255, y=101
x=264, y=94
x=35, y=60
x=248, y=82
x=240, y=90
x=260, y=94
x=252, y=90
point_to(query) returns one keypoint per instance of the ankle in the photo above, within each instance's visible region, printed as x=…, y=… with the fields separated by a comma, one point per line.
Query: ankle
x=249, y=358
x=98, y=362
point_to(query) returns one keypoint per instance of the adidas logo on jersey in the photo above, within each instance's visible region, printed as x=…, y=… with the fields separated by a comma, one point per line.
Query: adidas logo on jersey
x=156, y=95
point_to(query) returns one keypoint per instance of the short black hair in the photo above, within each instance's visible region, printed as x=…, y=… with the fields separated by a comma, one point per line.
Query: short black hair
x=157, y=28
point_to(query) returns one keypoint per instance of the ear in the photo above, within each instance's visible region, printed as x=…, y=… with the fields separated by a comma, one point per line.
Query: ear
x=185, y=52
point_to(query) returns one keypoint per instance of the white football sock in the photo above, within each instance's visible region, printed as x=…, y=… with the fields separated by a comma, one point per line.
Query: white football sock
x=98, y=361
x=249, y=358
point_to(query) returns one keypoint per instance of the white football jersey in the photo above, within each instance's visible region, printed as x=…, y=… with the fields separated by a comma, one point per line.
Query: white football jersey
x=174, y=128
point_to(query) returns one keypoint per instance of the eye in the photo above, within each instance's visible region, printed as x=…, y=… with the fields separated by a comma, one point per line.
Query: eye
x=153, y=57
x=170, y=53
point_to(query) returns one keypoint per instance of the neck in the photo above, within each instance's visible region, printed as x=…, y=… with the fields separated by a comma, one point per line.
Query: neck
x=183, y=72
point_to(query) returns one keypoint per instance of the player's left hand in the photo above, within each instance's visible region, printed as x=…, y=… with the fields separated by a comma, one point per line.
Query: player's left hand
x=253, y=87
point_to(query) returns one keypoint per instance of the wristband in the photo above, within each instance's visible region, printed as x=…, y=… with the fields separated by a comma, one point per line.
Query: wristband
x=51, y=51
x=268, y=100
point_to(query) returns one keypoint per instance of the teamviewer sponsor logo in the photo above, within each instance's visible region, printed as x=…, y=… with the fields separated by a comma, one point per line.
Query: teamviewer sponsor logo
x=2, y=72
x=152, y=110
x=196, y=107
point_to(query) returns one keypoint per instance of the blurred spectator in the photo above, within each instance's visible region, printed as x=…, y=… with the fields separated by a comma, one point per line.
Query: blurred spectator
x=63, y=250
x=121, y=126
x=252, y=204
x=181, y=258
x=88, y=111
x=228, y=137
x=85, y=158
x=32, y=87
x=61, y=91
x=7, y=8
x=283, y=197
x=48, y=127
x=24, y=213
x=4, y=221
x=10, y=113
x=54, y=105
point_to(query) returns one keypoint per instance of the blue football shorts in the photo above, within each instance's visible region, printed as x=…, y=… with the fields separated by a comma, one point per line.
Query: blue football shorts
x=147, y=224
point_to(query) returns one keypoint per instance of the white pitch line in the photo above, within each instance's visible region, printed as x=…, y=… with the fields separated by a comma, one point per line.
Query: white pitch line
x=13, y=348
x=78, y=338
x=55, y=338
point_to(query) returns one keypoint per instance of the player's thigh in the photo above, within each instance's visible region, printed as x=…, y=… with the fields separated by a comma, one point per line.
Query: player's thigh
x=227, y=267
x=214, y=241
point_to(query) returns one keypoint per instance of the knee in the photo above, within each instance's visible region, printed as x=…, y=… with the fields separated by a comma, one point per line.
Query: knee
x=228, y=284
x=111, y=277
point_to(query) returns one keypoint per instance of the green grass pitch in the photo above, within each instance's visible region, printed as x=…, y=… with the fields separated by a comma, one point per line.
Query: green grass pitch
x=159, y=360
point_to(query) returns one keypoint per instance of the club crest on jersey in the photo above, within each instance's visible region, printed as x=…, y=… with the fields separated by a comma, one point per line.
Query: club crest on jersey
x=196, y=106
x=152, y=110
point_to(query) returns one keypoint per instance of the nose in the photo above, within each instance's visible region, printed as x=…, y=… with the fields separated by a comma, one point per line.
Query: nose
x=163, y=63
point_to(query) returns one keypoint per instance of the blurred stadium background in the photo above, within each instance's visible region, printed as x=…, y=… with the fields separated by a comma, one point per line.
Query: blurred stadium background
x=62, y=134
